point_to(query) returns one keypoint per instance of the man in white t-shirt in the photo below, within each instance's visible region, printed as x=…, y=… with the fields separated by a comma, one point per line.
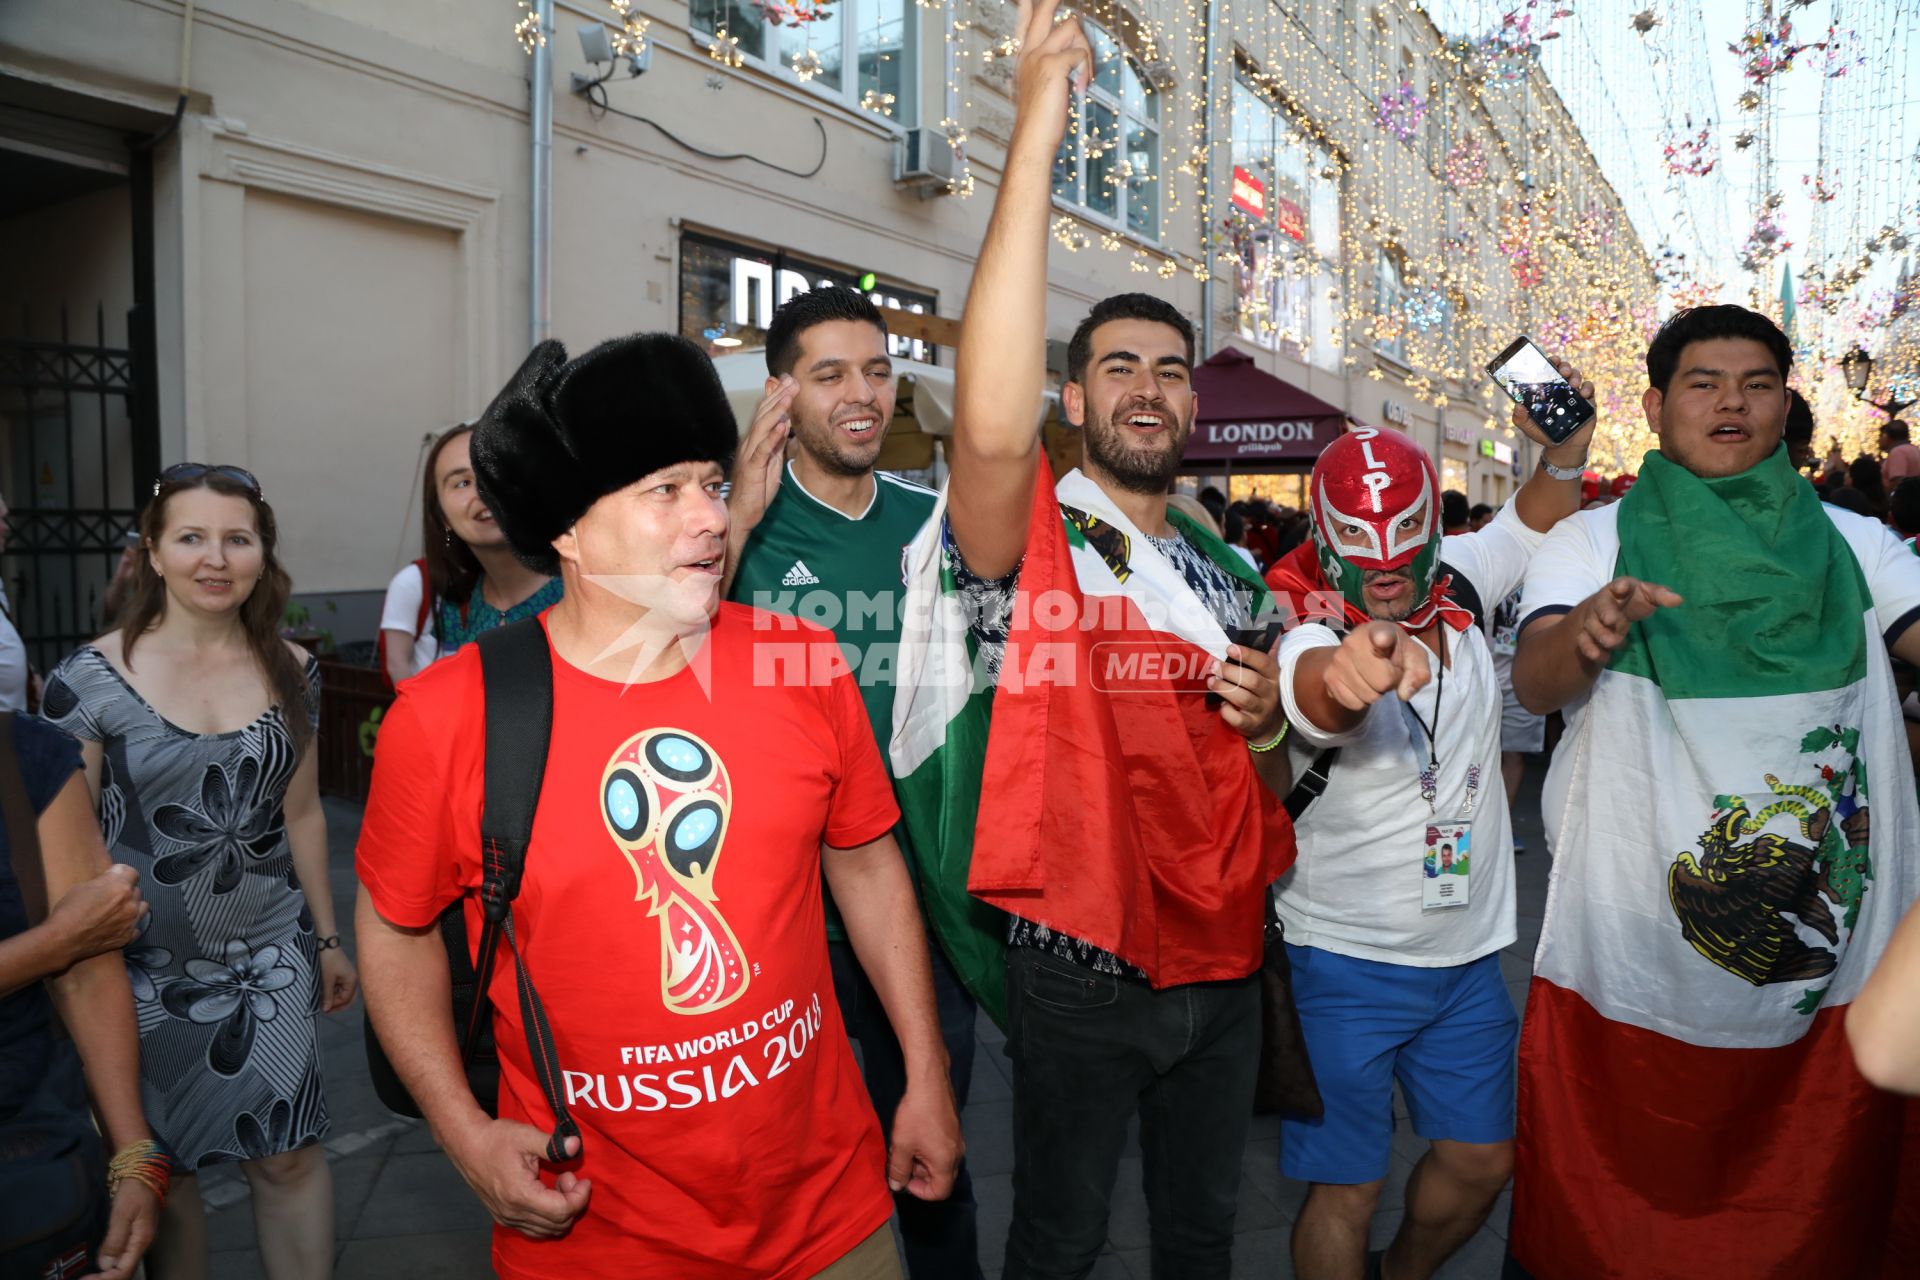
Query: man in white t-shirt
x=1403, y=892
x=1733, y=823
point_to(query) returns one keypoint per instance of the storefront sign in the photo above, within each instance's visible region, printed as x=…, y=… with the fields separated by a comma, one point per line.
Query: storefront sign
x=1395, y=412
x=1262, y=441
x=1290, y=219
x=1486, y=448
x=1502, y=452
x=1454, y=433
x=1249, y=194
x=728, y=293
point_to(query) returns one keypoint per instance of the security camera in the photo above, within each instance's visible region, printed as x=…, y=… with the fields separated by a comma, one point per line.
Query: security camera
x=594, y=45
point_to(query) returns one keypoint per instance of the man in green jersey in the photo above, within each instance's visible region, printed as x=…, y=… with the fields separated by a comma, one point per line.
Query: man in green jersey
x=817, y=533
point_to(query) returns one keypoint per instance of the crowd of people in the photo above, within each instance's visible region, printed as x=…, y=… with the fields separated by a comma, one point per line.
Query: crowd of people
x=1195, y=798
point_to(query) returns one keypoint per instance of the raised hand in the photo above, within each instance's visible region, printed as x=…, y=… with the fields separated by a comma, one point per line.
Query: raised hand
x=1054, y=58
x=1575, y=445
x=1609, y=613
x=756, y=468
x=1373, y=661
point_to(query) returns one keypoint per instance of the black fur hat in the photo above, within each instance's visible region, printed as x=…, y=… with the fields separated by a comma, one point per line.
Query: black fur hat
x=564, y=434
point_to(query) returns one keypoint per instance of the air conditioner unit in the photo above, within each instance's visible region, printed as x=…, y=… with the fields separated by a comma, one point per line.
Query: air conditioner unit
x=924, y=159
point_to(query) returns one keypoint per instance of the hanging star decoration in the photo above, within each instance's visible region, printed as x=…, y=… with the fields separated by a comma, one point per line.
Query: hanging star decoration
x=1767, y=240
x=1427, y=310
x=1823, y=191
x=807, y=64
x=1750, y=100
x=1505, y=54
x=629, y=37
x=1741, y=141
x=1644, y=21
x=1466, y=164
x=1593, y=229
x=1767, y=49
x=1692, y=157
x=1522, y=227
x=1843, y=52
x=527, y=30
x=794, y=13
x=1402, y=111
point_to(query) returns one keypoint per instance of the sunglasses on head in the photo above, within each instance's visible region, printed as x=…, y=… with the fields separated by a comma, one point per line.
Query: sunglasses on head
x=188, y=472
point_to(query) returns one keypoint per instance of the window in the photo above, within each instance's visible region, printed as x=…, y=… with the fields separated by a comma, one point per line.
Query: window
x=1109, y=162
x=1389, y=305
x=1284, y=215
x=860, y=50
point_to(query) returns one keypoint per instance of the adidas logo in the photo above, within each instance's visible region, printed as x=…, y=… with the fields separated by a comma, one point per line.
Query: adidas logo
x=800, y=576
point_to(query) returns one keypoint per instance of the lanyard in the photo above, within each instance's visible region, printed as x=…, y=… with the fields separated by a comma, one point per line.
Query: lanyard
x=1430, y=774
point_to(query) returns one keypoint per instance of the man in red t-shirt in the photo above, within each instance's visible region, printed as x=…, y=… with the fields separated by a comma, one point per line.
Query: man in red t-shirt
x=670, y=915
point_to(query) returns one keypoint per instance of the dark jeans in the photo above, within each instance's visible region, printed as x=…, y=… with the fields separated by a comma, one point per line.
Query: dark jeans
x=941, y=1236
x=1088, y=1050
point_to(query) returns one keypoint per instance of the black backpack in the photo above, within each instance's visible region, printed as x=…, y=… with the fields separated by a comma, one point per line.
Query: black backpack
x=517, y=674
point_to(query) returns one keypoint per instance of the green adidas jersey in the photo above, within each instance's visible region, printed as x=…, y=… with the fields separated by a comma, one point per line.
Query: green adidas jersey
x=809, y=560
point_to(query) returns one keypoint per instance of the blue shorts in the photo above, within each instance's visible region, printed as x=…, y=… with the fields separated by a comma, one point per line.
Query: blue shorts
x=1447, y=1035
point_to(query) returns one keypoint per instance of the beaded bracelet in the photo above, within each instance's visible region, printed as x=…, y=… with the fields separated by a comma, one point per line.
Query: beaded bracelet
x=146, y=1163
x=1272, y=742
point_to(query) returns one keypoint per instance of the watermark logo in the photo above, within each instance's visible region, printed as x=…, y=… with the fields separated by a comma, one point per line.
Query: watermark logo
x=1142, y=666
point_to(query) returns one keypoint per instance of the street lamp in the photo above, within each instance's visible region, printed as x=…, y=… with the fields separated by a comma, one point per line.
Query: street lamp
x=1857, y=367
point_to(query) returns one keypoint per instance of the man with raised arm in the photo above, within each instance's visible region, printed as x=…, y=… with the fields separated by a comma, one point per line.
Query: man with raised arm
x=1719, y=642
x=1122, y=823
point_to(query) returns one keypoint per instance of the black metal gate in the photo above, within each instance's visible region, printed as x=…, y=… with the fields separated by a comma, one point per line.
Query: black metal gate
x=75, y=438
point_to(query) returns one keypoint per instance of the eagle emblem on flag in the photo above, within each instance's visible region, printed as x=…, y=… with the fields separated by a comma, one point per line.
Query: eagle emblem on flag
x=1739, y=902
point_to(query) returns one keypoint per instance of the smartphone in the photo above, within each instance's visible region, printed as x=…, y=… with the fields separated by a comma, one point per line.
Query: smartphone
x=1525, y=374
x=1261, y=638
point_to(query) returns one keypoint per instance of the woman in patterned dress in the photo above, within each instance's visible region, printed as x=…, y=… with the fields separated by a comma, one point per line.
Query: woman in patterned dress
x=196, y=722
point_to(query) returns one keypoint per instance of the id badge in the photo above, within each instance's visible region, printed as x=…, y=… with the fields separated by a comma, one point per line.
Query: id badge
x=1445, y=866
x=1506, y=639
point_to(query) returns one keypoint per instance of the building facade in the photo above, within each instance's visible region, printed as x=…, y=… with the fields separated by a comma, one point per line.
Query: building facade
x=313, y=252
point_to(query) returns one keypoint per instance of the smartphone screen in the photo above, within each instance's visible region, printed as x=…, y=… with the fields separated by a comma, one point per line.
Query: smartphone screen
x=1525, y=374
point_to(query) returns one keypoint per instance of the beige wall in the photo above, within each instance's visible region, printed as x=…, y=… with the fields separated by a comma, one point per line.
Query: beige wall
x=349, y=363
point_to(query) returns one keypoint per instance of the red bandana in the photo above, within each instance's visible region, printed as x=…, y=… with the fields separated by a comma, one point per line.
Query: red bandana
x=1380, y=488
x=1296, y=578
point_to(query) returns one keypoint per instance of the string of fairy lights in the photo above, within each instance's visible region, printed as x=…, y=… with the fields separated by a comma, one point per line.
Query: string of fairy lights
x=1562, y=168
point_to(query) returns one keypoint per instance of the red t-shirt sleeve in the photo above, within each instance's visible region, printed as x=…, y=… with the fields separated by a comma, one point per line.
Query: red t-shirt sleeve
x=862, y=808
x=406, y=857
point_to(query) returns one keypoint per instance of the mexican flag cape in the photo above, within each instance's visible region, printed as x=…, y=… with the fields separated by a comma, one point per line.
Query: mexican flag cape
x=1090, y=790
x=1735, y=848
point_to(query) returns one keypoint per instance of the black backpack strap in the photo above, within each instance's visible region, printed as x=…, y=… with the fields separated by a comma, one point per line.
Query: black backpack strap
x=1463, y=593
x=517, y=671
x=1310, y=785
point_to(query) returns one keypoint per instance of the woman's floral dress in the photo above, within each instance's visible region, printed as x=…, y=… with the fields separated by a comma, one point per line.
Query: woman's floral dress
x=224, y=972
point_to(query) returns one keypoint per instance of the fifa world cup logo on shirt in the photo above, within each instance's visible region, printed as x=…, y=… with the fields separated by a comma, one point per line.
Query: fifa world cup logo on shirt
x=666, y=798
